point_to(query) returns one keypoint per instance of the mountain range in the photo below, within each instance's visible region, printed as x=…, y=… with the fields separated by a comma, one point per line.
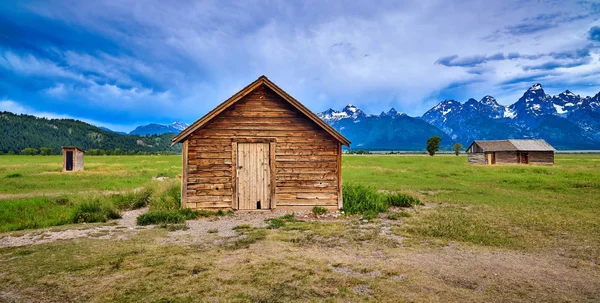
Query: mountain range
x=18, y=132
x=153, y=129
x=567, y=121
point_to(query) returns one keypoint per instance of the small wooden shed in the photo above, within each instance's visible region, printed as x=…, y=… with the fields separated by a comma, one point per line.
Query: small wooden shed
x=511, y=152
x=261, y=149
x=72, y=158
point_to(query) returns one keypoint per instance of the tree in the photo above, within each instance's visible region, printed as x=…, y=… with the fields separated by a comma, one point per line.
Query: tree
x=433, y=145
x=45, y=151
x=456, y=148
x=29, y=151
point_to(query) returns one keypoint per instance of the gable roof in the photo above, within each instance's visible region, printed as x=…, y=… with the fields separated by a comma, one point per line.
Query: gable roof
x=262, y=80
x=513, y=145
x=532, y=145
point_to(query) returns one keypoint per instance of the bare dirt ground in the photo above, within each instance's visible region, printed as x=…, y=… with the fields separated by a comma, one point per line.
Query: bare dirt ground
x=125, y=227
x=373, y=261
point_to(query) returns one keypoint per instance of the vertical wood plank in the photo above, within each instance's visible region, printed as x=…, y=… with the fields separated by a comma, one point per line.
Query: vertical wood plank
x=339, y=176
x=234, y=178
x=184, y=173
x=272, y=175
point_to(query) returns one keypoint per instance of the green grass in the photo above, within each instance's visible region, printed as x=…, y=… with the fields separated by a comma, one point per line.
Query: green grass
x=42, y=175
x=525, y=207
x=369, y=201
x=518, y=233
x=505, y=206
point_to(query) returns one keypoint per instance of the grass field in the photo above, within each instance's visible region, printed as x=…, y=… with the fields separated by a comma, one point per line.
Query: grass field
x=496, y=234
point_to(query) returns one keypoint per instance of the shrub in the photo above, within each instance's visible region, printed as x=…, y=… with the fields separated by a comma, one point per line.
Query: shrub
x=93, y=211
x=318, y=210
x=275, y=223
x=402, y=200
x=167, y=197
x=367, y=200
x=29, y=151
x=133, y=200
x=189, y=214
x=161, y=217
x=289, y=217
x=212, y=231
x=359, y=199
x=14, y=175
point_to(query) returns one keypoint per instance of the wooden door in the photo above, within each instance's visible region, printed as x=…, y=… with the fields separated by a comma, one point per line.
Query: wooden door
x=524, y=158
x=253, y=176
x=491, y=158
x=69, y=164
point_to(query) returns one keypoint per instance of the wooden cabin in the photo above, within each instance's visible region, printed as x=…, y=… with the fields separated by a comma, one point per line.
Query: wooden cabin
x=261, y=149
x=511, y=152
x=72, y=158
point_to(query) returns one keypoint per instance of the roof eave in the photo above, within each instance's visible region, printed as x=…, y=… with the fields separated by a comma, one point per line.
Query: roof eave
x=183, y=135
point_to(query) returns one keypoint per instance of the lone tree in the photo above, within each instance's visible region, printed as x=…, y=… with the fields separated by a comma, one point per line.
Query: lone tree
x=433, y=145
x=457, y=148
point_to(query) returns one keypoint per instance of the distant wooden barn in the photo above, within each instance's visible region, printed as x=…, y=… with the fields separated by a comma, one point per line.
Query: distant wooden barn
x=72, y=158
x=261, y=149
x=511, y=152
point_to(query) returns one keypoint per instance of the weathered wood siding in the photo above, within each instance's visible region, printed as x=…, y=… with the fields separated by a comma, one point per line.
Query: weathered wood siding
x=506, y=157
x=306, y=157
x=475, y=148
x=78, y=160
x=542, y=157
x=477, y=158
x=78, y=156
x=253, y=171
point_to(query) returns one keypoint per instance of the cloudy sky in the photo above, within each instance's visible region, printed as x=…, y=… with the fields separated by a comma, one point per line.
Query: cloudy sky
x=124, y=63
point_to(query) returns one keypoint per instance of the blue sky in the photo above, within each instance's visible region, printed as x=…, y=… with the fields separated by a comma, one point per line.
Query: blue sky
x=124, y=63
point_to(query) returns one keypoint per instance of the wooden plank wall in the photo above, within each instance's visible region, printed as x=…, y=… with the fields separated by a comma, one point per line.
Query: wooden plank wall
x=507, y=157
x=543, y=157
x=306, y=156
x=78, y=160
x=477, y=158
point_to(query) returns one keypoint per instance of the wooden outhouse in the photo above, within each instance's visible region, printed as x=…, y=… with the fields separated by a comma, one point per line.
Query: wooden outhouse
x=261, y=149
x=510, y=152
x=72, y=158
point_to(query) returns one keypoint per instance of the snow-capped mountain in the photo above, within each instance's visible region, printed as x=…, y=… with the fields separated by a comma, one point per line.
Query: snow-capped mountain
x=153, y=128
x=391, y=130
x=565, y=120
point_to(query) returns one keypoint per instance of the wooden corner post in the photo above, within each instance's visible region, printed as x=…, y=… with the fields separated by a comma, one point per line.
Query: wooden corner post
x=184, y=179
x=339, y=176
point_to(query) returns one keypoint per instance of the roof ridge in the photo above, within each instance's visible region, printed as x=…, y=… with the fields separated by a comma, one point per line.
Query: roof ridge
x=262, y=80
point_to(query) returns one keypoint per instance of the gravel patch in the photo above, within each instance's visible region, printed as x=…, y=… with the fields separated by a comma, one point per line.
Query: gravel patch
x=123, y=229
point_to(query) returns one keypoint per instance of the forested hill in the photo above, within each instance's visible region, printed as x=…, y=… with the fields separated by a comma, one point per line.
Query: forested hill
x=18, y=132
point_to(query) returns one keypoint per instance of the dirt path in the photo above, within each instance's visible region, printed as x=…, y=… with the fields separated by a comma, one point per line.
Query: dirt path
x=122, y=229
x=125, y=227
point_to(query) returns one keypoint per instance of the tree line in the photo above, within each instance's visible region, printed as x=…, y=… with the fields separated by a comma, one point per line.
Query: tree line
x=23, y=133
